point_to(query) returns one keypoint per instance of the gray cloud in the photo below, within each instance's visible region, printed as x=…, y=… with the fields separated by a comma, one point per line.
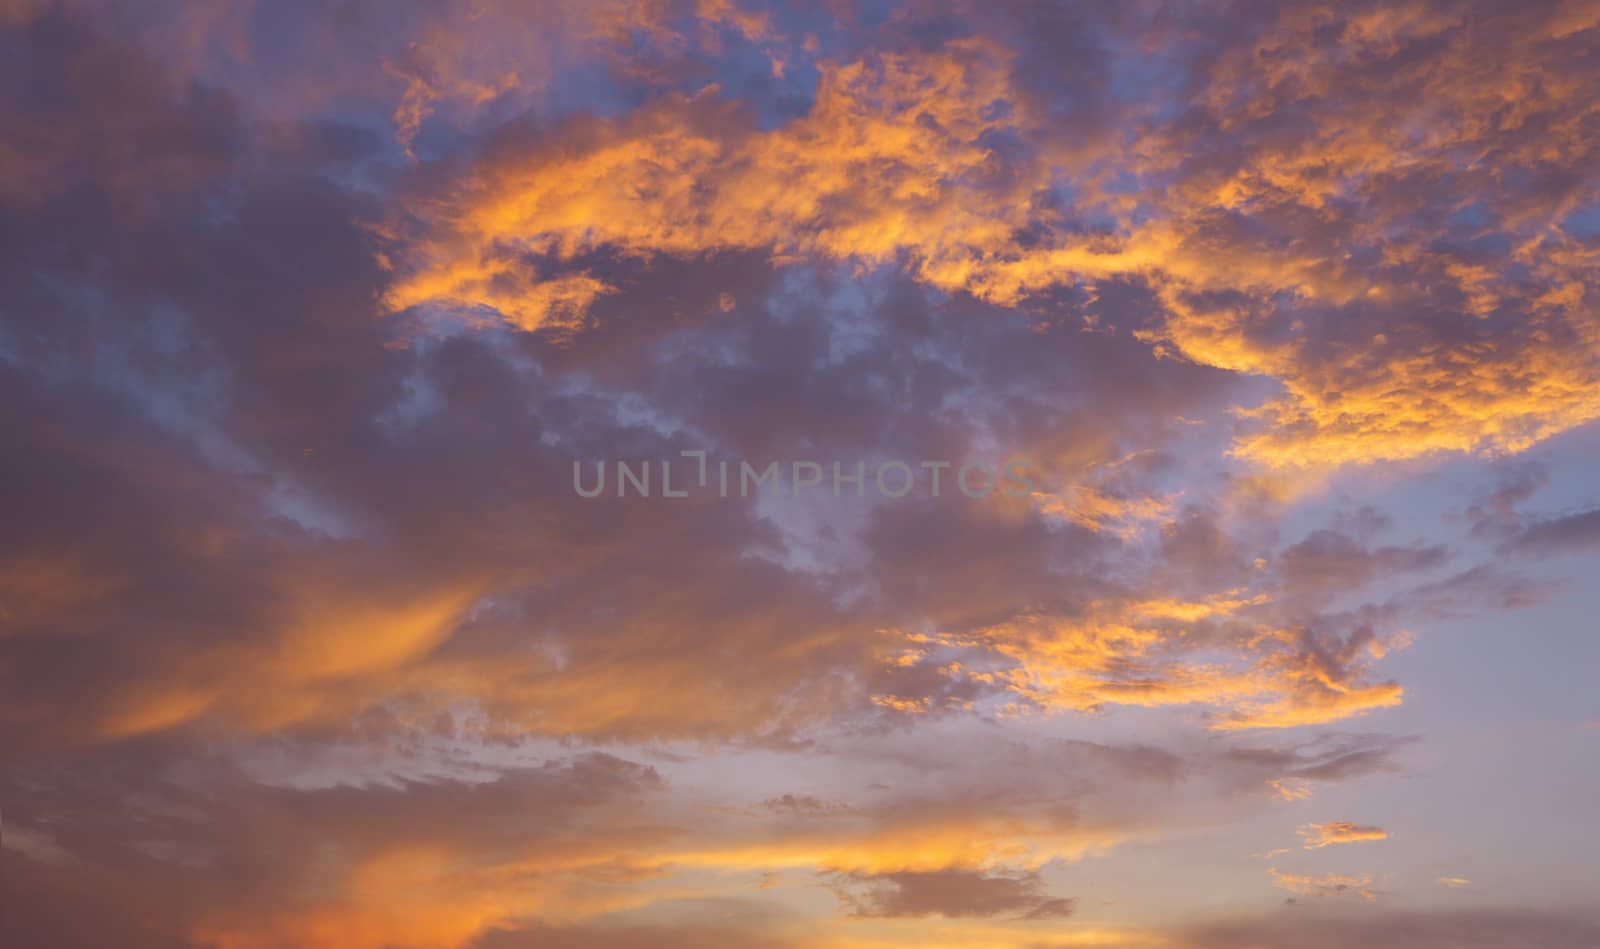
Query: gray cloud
x=950, y=893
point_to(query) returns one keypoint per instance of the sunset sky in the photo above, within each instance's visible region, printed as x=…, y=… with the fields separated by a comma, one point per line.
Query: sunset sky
x=1280, y=634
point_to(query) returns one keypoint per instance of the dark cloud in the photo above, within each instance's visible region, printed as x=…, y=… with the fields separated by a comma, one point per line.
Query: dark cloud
x=803, y=805
x=1494, y=586
x=1328, y=561
x=1573, y=533
x=1332, y=757
x=951, y=893
x=633, y=936
x=196, y=851
x=1496, y=511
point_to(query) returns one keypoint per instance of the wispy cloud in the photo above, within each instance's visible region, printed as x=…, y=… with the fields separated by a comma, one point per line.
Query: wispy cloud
x=1318, y=836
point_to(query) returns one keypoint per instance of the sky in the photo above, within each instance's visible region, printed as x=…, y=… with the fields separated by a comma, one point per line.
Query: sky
x=426, y=502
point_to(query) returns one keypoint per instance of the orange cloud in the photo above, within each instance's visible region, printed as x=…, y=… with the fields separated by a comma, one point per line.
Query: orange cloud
x=329, y=648
x=1135, y=653
x=1328, y=884
x=1291, y=790
x=1318, y=836
x=866, y=175
x=894, y=162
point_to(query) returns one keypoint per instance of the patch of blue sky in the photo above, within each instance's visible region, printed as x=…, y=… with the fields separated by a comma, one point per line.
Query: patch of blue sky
x=1583, y=223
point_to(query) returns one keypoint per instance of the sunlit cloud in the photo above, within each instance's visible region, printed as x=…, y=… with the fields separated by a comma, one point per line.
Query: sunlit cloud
x=1326, y=884
x=1318, y=836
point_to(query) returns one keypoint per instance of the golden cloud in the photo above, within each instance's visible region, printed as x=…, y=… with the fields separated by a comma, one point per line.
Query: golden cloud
x=1318, y=836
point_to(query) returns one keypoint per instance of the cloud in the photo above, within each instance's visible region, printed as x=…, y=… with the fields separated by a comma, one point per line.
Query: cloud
x=434, y=863
x=1295, y=770
x=949, y=893
x=942, y=157
x=1327, y=884
x=803, y=805
x=1290, y=790
x=624, y=936
x=1131, y=654
x=1318, y=836
x=691, y=175
x=1496, y=511
x=1328, y=561
x=1573, y=533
